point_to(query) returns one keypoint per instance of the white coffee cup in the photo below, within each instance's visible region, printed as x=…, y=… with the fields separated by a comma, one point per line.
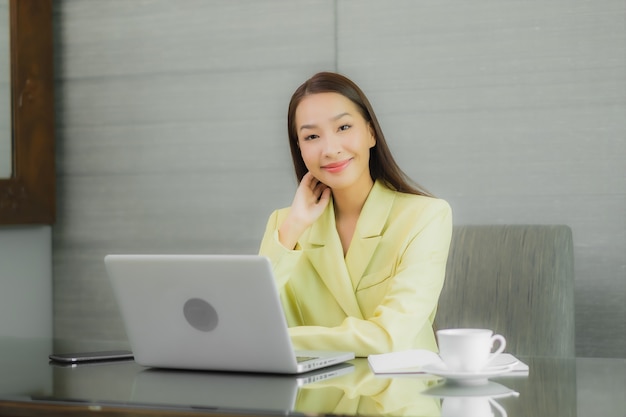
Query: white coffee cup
x=468, y=350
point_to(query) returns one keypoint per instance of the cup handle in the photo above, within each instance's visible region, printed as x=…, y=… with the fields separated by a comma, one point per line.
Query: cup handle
x=502, y=340
x=498, y=407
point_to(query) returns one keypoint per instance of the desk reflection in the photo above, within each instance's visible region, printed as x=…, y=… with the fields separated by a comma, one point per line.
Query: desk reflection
x=552, y=388
x=347, y=389
x=549, y=389
x=363, y=393
x=471, y=400
x=226, y=390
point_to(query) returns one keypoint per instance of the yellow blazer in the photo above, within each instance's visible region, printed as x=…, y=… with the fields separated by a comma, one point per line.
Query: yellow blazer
x=383, y=295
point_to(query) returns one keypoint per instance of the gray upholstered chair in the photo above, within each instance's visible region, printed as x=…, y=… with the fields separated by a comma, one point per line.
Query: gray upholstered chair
x=515, y=279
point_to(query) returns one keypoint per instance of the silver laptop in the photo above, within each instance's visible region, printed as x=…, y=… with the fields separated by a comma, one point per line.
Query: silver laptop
x=207, y=312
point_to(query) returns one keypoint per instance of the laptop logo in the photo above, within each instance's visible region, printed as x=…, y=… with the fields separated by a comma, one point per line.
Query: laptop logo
x=200, y=314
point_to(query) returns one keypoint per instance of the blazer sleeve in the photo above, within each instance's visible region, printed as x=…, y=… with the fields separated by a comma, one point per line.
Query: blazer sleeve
x=282, y=259
x=404, y=318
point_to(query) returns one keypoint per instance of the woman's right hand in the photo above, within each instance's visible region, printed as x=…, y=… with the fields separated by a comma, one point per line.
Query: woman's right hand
x=310, y=201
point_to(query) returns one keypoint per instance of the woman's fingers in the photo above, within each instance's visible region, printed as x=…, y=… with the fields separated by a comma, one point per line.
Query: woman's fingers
x=319, y=189
x=311, y=181
x=314, y=185
x=324, y=196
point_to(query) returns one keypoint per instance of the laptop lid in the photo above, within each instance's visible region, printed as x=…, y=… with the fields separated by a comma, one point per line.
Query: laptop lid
x=207, y=312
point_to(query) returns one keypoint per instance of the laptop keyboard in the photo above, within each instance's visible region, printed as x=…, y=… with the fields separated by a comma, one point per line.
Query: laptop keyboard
x=301, y=359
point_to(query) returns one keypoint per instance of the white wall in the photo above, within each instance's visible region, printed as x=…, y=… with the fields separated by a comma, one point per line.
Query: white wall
x=26, y=281
x=171, y=127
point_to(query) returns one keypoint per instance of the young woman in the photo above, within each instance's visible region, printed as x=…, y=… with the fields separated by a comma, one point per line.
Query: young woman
x=360, y=255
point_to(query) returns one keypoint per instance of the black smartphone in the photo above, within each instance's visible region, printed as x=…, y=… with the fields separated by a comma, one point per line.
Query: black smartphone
x=86, y=357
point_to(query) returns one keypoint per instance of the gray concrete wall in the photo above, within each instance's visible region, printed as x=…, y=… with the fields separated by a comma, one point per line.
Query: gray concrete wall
x=171, y=128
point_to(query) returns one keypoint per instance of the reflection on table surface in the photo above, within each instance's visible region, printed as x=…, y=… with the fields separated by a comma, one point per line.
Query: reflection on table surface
x=351, y=389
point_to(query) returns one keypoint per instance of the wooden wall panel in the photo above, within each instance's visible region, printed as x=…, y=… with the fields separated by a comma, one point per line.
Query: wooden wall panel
x=172, y=135
x=514, y=112
x=121, y=38
x=171, y=128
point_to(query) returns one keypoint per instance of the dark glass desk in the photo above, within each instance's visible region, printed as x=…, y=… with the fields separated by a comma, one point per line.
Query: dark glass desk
x=31, y=386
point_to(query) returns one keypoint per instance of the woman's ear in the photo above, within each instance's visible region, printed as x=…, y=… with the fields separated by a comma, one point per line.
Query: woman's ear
x=372, y=134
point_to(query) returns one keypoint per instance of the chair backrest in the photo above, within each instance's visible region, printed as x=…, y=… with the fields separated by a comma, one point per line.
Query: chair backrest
x=517, y=280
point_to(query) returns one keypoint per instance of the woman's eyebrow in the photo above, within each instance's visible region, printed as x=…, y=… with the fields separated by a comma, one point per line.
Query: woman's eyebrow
x=334, y=118
x=339, y=116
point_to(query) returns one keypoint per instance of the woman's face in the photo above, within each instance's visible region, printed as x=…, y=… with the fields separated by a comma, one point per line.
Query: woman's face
x=334, y=140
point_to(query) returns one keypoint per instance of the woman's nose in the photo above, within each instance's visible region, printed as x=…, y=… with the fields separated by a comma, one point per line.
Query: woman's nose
x=332, y=145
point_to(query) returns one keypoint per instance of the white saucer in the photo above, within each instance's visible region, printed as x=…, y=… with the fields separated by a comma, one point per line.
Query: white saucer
x=489, y=390
x=499, y=367
x=504, y=359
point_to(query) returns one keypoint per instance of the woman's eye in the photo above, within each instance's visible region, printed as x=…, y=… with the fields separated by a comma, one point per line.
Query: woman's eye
x=310, y=137
x=345, y=127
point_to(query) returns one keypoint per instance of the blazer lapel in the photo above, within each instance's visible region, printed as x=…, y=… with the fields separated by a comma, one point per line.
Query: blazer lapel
x=368, y=231
x=326, y=255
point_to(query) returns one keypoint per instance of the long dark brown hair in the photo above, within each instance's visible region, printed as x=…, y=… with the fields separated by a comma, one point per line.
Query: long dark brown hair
x=382, y=165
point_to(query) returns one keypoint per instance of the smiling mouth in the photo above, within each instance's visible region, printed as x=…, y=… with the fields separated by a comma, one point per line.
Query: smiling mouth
x=337, y=166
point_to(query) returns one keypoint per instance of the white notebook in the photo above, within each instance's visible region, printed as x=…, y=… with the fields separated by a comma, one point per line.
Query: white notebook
x=417, y=360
